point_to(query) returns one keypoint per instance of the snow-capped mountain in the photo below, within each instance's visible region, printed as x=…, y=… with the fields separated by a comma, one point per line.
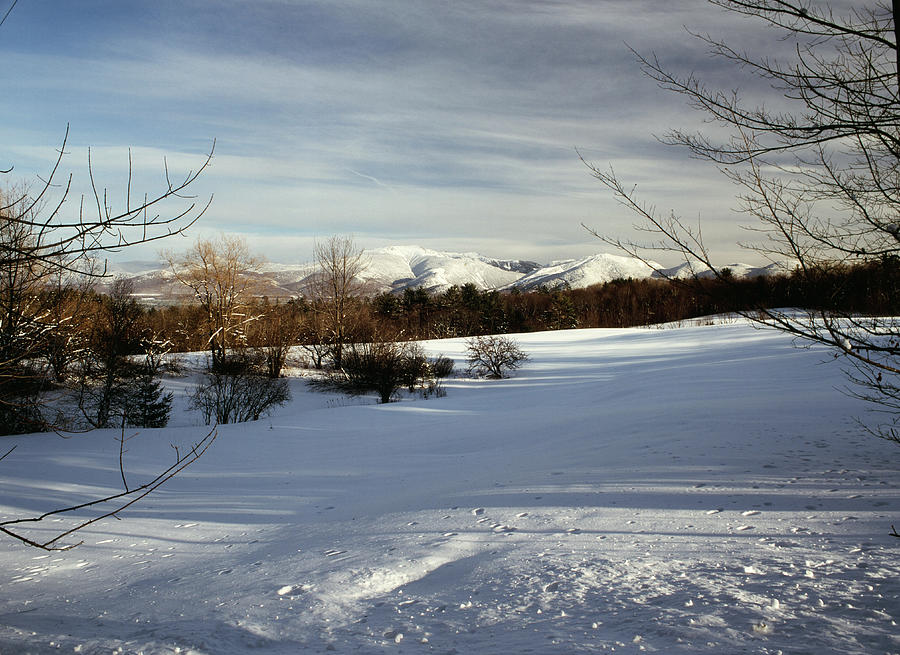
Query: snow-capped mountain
x=396, y=268
x=698, y=269
x=580, y=273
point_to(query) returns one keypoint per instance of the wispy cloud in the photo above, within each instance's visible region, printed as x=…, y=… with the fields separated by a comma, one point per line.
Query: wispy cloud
x=394, y=120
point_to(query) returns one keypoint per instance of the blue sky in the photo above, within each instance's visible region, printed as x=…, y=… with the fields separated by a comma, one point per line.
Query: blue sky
x=451, y=125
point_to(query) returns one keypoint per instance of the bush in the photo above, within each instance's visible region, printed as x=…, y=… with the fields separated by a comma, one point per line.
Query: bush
x=441, y=366
x=383, y=367
x=493, y=356
x=238, y=390
x=416, y=368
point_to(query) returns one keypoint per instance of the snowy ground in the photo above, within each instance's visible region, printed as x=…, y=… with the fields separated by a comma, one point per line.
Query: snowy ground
x=700, y=489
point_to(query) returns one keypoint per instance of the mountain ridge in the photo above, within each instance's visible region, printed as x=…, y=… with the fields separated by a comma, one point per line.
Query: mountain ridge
x=393, y=269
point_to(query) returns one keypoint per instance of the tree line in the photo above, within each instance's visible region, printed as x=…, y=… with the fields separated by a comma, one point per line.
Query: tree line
x=871, y=288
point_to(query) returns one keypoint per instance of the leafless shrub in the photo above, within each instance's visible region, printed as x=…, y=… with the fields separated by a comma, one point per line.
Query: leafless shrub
x=493, y=356
x=441, y=367
x=238, y=390
x=382, y=367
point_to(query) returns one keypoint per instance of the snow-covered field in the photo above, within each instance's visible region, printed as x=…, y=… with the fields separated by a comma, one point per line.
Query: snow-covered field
x=698, y=489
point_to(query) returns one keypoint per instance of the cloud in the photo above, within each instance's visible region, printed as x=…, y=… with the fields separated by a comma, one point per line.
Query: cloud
x=394, y=120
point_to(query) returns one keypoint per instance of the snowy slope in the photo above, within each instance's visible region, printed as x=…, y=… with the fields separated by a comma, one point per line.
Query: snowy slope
x=581, y=273
x=702, y=489
x=400, y=267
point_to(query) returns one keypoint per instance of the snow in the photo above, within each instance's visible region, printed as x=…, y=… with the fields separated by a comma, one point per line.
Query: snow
x=399, y=267
x=694, y=489
x=695, y=268
x=581, y=273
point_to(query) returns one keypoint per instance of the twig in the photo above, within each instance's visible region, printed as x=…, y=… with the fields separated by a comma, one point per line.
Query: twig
x=122, y=500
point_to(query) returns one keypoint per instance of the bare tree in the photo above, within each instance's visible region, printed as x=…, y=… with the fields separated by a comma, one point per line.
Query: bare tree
x=335, y=289
x=219, y=273
x=106, y=374
x=56, y=242
x=314, y=340
x=276, y=332
x=65, y=299
x=40, y=242
x=24, y=320
x=820, y=177
x=494, y=356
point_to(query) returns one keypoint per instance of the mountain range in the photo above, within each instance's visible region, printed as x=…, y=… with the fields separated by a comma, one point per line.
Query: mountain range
x=397, y=268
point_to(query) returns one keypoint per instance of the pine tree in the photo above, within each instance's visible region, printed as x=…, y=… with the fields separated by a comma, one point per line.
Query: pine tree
x=149, y=407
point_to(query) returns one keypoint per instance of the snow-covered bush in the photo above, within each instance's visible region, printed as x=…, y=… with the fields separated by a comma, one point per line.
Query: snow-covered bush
x=493, y=356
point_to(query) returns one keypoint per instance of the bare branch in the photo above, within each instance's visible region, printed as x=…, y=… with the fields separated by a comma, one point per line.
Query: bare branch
x=120, y=501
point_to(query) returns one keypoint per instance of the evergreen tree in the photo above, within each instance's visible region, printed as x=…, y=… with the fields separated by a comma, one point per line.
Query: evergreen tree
x=149, y=406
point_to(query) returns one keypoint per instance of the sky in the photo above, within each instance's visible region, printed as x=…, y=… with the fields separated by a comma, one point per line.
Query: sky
x=450, y=125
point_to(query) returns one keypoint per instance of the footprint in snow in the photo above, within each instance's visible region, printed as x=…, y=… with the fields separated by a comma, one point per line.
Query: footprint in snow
x=478, y=511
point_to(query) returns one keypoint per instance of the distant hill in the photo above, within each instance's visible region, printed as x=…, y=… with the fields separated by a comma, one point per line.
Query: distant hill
x=396, y=268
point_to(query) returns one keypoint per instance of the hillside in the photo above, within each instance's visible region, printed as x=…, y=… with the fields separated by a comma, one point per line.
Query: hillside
x=700, y=489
